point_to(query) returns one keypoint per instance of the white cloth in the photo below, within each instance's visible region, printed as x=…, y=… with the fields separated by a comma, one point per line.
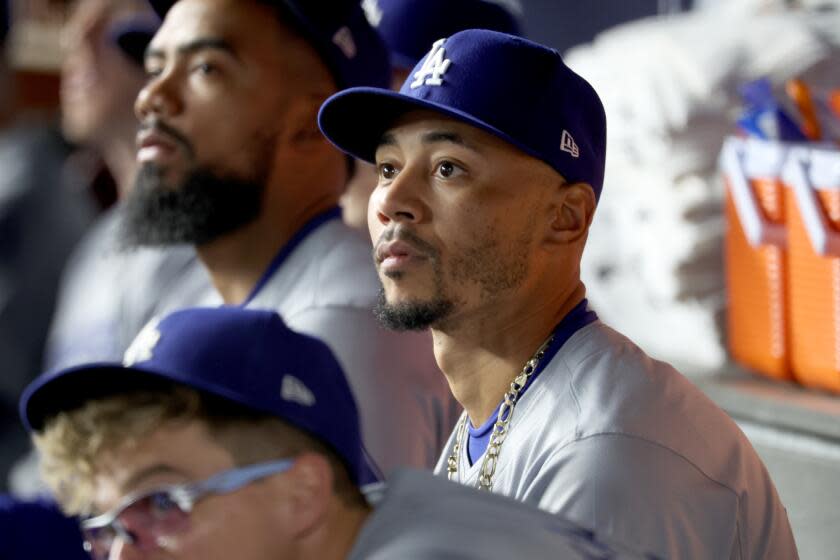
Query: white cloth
x=327, y=288
x=108, y=294
x=422, y=517
x=625, y=445
x=670, y=90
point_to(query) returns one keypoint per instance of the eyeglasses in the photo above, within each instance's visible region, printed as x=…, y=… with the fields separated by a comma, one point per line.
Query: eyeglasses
x=146, y=518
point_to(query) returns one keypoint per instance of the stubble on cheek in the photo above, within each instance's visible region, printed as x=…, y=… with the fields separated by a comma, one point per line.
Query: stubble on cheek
x=494, y=267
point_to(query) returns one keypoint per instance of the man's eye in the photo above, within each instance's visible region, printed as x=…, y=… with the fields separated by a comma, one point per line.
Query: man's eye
x=387, y=171
x=447, y=169
x=205, y=68
x=153, y=72
x=162, y=503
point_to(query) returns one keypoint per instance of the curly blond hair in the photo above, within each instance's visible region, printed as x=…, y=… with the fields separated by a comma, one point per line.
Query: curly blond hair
x=72, y=442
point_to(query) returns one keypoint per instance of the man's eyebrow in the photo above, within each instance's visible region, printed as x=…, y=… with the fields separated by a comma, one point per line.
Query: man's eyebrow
x=437, y=136
x=150, y=471
x=196, y=45
x=433, y=137
x=387, y=139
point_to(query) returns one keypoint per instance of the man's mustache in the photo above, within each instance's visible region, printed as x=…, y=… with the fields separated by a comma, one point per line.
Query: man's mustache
x=402, y=233
x=160, y=127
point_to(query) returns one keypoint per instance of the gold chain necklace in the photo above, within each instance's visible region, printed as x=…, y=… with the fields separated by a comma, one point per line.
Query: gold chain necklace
x=500, y=428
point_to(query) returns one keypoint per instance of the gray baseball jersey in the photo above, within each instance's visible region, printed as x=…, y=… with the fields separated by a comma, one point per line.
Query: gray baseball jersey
x=422, y=517
x=108, y=294
x=618, y=442
x=323, y=283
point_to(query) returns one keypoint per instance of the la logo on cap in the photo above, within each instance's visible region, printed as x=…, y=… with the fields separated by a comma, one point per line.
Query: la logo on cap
x=142, y=348
x=433, y=69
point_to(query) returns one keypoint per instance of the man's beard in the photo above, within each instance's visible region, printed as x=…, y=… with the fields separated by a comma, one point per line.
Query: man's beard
x=205, y=206
x=491, y=267
x=415, y=315
x=412, y=316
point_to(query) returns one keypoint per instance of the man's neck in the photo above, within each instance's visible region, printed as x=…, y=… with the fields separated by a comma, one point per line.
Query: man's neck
x=482, y=356
x=335, y=541
x=237, y=261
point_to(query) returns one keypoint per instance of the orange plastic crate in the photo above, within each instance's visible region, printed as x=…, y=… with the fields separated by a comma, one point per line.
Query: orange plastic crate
x=814, y=266
x=756, y=261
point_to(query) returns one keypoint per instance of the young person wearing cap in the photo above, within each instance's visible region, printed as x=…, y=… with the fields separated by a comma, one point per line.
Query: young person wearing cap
x=408, y=27
x=232, y=161
x=187, y=450
x=491, y=162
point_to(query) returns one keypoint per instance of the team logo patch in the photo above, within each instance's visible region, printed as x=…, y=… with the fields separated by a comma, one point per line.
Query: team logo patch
x=433, y=69
x=343, y=39
x=373, y=12
x=568, y=144
x=143, y=346
x=294, y=390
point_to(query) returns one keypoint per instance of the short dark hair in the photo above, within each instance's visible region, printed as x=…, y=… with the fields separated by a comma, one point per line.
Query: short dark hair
x=5, y=20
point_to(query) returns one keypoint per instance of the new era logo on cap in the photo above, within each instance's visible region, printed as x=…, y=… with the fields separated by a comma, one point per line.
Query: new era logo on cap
x=294, y=390
x=568, y=144
x=343, y=39
x=432, y=71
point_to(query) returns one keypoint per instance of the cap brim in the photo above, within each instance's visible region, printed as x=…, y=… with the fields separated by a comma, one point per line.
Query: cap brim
x=355, y=120
x=70, y=388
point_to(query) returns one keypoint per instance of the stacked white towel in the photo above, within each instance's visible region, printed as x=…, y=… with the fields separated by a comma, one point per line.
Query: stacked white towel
x=653, y=264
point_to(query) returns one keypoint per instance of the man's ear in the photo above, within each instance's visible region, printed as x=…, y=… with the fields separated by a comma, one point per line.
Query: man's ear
x=572, y=210
x=307, y=492
x=301, y=123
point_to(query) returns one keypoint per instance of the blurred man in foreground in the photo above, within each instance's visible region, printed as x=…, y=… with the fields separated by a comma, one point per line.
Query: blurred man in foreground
x=195, y=448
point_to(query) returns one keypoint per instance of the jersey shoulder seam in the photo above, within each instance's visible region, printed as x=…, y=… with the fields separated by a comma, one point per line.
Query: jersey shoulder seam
x=670, y=450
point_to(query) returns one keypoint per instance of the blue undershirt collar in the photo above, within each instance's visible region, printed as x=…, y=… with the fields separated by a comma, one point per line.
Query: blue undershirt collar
x=478, y=438
x=288, y=249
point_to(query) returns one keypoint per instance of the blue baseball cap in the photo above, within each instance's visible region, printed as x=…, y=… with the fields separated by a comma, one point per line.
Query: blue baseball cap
x=511, y=87
x=248, y=357
x=339, y=31
x=410, y=26
x=133, y=36
x=25, y=524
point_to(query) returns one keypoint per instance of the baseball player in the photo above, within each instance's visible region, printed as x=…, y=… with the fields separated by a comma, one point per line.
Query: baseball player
x=408, y=27
x=491, y=162
x=232, y=161
x=187, y=450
